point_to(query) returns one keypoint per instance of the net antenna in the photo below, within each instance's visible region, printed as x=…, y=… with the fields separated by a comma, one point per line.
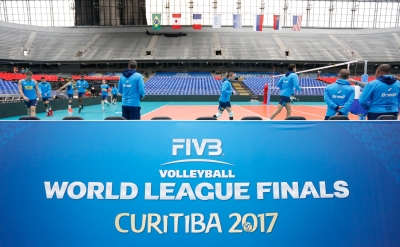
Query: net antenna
x=351, y=54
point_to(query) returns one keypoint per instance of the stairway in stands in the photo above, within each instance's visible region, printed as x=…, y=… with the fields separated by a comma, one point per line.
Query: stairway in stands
x=239, y=88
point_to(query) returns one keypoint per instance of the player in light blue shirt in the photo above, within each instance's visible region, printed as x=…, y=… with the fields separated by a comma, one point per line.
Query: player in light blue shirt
x=45, y=91
x=382, y=95
x=104, y=94
x=114, y=93
x=287, y=84
x=339, y=96
x=69, y=88
x=224, y=99
x=131, y=86
x=81, y=85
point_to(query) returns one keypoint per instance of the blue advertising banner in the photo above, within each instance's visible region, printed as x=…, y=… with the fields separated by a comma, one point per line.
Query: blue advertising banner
x=200, y=183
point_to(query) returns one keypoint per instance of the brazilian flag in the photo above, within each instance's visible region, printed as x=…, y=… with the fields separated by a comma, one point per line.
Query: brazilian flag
x=157, y=21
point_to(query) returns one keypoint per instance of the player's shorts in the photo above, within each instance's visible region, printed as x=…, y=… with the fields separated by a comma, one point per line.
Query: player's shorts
x=114, y=96
x=131, y=112
x=45, y=99
x=223, y=105
x=283, y=100
x=70, y=96
x=104, y=97
x=80, y=95
x=32, y=102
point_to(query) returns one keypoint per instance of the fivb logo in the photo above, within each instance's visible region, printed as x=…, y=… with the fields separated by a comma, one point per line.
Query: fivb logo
x=214, y=146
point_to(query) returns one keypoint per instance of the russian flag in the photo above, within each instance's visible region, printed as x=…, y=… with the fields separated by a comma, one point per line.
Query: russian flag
x=277, y=22
x=197, y=21
x=258, y=23
x=176, y=21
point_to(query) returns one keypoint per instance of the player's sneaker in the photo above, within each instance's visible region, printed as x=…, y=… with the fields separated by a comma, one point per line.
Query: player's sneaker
x=70, y=110
x=51, y=112
x=80, y=109
x=48, y=114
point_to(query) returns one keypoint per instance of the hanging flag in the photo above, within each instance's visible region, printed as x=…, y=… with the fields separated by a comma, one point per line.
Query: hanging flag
x=157, y=21
x=176, y=21
x=197, y=21
x=296, y=22
x=258, y=23
x=277, y=23
x=237, y=21
x=216, y=21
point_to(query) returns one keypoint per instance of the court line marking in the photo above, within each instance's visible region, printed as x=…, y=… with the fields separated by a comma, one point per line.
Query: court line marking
x=154, y=110
x=252, y=112
x=305, y=112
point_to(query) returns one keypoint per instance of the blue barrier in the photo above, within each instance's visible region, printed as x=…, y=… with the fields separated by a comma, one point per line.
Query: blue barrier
x=192, y=183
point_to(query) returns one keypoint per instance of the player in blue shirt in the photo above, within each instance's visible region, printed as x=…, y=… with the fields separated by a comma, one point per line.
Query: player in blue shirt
x=131, y=86
x=69, y=87
x=224, y=99
x=339, y=96
x=29, y=90
x=382, y=95
x=45, y=91
x=81, y=85
x=114, y=93
x=286, y=84
x=104, y=94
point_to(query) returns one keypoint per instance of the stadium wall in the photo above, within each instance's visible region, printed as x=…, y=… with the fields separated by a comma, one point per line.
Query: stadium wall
x=18, y=108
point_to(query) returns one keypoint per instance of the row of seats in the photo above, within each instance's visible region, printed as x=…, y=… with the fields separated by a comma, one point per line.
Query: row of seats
x=159, y=85
x=53, y=78
x=331, y=80
x=8, y=87
x=309, y=86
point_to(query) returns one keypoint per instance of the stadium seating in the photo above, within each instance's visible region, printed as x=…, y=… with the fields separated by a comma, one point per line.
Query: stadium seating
x=309, y=86
x=53, y=78
x=160, y=85
x=330, y=80
x=8, y=87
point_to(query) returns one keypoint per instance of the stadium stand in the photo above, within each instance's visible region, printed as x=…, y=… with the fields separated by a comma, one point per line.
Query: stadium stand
x=158, y=85
x=309, y=86
x=122, y=43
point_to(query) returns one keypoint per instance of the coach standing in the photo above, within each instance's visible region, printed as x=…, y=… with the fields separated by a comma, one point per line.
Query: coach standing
x=131, y=87
x=339, y=96
x=382, y=95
